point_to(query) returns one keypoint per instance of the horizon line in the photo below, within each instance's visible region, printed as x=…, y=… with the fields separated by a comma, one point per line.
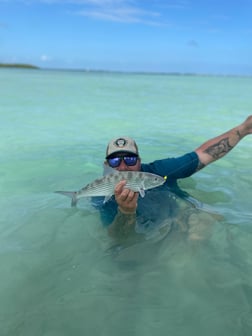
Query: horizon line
x=171, y=73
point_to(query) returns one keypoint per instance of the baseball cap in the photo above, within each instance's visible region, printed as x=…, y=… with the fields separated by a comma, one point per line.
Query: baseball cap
x=123, y=144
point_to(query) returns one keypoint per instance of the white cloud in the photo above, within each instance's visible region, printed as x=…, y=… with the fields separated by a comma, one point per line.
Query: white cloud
x=115, y=10
x=45, y=58
x=121, y=14
x=76, y=2
x=110, y=10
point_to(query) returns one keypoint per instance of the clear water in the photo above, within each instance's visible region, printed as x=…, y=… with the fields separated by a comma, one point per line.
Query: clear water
x=57, y=277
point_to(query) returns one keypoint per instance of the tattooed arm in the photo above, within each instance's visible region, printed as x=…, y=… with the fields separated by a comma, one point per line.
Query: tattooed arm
x=216, y=148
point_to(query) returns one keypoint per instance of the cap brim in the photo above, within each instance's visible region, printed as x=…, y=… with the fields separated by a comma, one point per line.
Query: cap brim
x=121, y=151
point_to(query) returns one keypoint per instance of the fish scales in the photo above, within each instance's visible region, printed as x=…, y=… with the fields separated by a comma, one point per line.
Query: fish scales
x=99, y=187
x=136, y=181
x=106, y=185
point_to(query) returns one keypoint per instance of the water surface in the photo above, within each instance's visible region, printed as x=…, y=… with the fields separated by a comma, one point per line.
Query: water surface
x=57, y=277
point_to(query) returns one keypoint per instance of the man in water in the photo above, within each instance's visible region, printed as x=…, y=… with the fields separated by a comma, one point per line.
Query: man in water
x=126, y=213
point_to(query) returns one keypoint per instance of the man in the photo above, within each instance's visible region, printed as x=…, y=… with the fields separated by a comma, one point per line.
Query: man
x=126, y=213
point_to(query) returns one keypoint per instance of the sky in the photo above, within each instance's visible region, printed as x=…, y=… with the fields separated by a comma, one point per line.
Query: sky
x=186, y=36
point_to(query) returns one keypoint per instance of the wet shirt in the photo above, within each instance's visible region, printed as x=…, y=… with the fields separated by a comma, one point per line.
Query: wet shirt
x=158, y=203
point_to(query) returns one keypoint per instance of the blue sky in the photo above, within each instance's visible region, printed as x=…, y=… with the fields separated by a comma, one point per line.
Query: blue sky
x=211, y=36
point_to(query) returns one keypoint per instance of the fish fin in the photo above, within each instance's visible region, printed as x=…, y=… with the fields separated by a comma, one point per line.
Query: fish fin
x=71, y=194
x=141, y=192
x=108, y=170
x=107, y=198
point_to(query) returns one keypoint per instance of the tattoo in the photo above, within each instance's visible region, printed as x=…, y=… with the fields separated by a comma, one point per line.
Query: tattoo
x=239, y=135
x=219, y=149
x=200, y=166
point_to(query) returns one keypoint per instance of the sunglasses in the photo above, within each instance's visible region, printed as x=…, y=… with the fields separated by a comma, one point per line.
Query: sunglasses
x=115, y=162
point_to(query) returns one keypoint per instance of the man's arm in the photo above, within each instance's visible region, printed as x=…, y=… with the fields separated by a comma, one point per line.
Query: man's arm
x=122, y=226
x=124, y=222
x=216, y=148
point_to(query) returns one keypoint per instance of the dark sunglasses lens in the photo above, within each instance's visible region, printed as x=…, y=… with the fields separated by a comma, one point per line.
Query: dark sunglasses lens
x=114, y=162
x=130, y=160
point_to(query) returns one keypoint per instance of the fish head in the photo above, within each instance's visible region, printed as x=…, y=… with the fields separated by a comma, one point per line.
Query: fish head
x=152, y=181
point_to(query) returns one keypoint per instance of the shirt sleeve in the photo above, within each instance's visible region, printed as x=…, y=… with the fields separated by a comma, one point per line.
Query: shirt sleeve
x=174, y=168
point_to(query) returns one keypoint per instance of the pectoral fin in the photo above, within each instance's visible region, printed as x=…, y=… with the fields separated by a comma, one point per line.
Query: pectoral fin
x=141, y=192
x=107, y=198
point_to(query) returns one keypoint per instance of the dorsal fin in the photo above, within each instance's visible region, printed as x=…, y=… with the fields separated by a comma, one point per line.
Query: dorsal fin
x=108, y=170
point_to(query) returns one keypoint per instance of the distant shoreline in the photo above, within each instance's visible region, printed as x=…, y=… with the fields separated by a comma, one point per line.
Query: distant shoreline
x=18, y=65
x=100, y=71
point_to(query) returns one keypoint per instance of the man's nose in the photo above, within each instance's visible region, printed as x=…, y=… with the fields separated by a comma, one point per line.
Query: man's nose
x=122, y=166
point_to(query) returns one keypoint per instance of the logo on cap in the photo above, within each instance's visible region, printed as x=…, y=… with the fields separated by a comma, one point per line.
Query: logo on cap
x=120, y=143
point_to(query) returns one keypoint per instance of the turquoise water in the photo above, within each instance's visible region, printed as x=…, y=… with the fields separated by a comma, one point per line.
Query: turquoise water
x=57, y=277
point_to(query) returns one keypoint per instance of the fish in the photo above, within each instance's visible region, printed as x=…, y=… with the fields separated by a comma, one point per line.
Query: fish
x=137, y=181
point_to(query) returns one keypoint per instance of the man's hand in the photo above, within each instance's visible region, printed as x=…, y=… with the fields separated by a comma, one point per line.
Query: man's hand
x=247, y=126
x=126, y=198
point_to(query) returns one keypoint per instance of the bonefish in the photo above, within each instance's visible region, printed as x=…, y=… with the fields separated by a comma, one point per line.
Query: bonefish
x=136, y=181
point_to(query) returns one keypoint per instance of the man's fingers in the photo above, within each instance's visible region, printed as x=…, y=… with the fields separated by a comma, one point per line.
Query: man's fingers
x=131, y=195
x=126, y=195
x=119, y=187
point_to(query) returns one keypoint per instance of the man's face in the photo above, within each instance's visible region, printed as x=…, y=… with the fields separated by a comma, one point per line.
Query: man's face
x=124, y=162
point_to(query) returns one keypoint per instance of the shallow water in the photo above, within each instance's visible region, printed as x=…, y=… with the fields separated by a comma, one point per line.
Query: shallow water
x=58, y=275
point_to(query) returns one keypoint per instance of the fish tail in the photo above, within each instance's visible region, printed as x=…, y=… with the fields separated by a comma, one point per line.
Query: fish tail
x=71, y=194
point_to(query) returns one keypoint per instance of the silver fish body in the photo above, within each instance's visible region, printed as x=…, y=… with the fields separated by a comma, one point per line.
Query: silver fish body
x=136, y=181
